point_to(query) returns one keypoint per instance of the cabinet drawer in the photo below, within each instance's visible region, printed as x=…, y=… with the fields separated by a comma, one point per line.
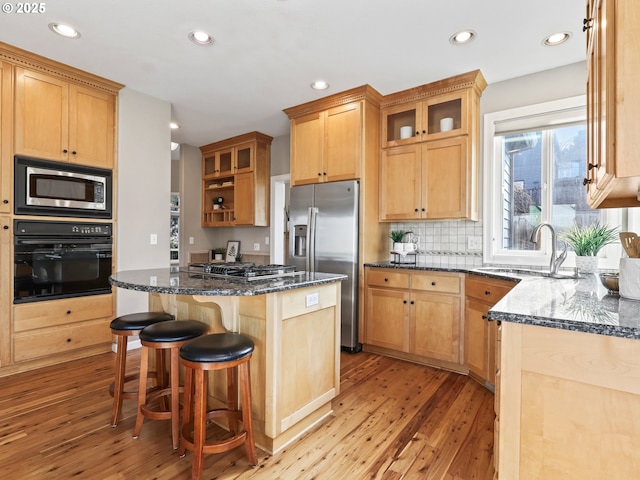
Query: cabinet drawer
x=30, y=316
x=486, y=290
x=387, y=278
x=433, y=282
x=59, y=340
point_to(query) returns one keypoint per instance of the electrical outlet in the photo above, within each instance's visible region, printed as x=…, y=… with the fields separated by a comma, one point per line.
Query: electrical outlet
x=474, y=243
x=153, y=239
x=312, y=299
x=266, y=240
x=256, y=247
x=153, y=280
x=192, y=240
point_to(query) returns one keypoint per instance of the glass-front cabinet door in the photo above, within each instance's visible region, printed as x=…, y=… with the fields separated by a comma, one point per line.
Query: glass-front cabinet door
x=401, y=124
x=445, y=116
x=244, y=158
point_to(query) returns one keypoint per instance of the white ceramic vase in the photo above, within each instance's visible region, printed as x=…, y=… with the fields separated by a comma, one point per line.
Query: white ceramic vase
x=587, y=264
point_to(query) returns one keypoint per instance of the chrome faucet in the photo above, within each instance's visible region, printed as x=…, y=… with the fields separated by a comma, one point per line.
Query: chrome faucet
x=556, y=260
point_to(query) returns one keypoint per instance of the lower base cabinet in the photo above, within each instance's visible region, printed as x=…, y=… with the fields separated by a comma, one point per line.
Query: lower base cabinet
x=568, y=405
x=414, y=315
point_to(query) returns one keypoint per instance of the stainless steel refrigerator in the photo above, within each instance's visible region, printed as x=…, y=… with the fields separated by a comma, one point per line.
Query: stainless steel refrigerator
x=323, y=235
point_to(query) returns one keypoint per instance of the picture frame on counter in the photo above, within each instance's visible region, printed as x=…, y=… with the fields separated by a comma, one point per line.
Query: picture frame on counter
x=233, y=250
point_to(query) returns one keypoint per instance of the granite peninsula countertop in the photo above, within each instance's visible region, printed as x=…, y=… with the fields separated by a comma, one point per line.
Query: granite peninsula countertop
x=581, y=305
x=164, y=280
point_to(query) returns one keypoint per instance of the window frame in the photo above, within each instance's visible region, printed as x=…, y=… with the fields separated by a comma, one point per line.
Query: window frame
x=609, y=257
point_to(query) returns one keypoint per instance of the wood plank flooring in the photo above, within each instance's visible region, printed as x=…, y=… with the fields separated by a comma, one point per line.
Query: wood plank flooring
x=393, y=420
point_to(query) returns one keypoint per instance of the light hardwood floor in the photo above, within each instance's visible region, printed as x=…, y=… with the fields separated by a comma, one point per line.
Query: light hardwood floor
x=392, y=420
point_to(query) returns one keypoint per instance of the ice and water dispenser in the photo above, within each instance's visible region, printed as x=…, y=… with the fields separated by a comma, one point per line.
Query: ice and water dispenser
x=300, y=241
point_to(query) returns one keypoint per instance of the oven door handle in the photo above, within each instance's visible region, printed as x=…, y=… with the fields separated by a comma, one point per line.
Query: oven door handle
x=83, y=241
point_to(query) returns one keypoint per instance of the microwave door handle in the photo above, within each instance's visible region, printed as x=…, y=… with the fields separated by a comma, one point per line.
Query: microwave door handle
x=81, y=241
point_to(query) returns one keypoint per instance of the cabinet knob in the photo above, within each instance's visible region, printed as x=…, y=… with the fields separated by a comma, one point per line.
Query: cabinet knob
x=423, y=209
x=484, y=317
x=404, y=301
x=417, y=210
x=424, y=131
x=324, y=173
x=433, y=283
x=73, y=152
x=319, y=174
x=487, y=292
x=5, y=201
x=65, y=151
x=68, y=312
x=412, y=302
x=5, y=227
x=591, y=165
x=68, y=340
x=386, y=279
x=586, y=181
x=587, y=24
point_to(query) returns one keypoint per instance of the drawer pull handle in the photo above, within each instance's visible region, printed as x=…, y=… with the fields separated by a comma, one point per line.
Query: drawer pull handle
x=68, y=312
x=487, y=292
x=433, y=283
x=386, y=279
x=68, y=340
x=484, y=317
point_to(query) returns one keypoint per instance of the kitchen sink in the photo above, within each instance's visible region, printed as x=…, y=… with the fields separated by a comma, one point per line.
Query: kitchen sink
x=517, y=272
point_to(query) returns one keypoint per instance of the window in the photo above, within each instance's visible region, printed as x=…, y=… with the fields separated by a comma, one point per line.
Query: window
x=535, y=160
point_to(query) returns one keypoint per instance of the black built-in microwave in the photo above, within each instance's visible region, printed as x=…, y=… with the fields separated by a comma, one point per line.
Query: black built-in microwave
x=44, y=187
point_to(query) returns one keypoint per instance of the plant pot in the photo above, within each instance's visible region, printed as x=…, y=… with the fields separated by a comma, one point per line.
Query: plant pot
x=217, y=256
x=588, y=264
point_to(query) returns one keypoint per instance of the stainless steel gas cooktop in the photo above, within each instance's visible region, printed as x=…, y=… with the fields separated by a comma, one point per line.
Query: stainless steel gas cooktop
x=243, y=270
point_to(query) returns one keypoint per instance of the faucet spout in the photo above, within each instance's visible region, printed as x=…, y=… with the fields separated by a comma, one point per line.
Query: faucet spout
x=555, y=261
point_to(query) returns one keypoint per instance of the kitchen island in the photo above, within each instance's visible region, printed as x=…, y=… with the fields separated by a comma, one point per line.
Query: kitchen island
x=294, y=323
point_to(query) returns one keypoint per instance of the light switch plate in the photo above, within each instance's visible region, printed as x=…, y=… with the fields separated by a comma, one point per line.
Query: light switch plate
x=312, y=299
x=256, y=246
x=153, y=239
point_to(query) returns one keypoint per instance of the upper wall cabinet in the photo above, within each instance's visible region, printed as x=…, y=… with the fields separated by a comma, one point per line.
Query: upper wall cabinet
x=329, y=136
x=235, y=181
x=613, y=104
x=60, y=113
x=429, y=168
x=6, y=129
x=58, y=120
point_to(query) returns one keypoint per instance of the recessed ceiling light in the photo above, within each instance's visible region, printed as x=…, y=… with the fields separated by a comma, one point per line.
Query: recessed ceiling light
x=319, y=85
x=462, y=37
x=201, y=38
x=64, y=30
x=174, y=125
x=556, y=39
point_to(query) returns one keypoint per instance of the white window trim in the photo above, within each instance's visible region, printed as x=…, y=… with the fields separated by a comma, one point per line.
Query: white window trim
x=492, y=254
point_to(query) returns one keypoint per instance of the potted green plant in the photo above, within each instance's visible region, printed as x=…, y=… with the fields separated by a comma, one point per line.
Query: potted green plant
x=397, y=235
x=587, y=241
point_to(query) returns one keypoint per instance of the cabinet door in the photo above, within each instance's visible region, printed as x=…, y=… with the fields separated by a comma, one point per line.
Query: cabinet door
x=343, y=141
x=386, y=318
x=6, y=129
x=41, y=115
x=245, y=158
x=6, y=293
x=448, y=179
x=91, y=127
x=476, y=338
x=244, y=203
x=401, y=184
x=401, y=124
x=438, y=110
x=307, y=140
x=435, y=326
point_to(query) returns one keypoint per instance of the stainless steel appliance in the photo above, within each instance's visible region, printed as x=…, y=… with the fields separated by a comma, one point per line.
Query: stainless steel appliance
x=44, y=187
x=60, y=259
x=324, y=238
x=245, y=271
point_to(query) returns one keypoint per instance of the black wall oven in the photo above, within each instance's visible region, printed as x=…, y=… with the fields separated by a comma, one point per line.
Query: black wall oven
x=61, y=259
x=44, y=187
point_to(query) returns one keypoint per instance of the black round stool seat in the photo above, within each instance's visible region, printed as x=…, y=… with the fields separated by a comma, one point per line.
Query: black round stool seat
x=217, y=347
x=178, y=331
x=138, y=321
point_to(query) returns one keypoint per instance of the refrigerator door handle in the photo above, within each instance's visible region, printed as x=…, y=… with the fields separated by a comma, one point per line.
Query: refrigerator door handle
x=311, y=239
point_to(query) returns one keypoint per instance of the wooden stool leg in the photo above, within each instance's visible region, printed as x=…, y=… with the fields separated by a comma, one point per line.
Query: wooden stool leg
x=142, y=389
x=175, y=397
x=247, y=422
x=118, y=387
x=200, y=424
x=232, y=398
x=186, y=407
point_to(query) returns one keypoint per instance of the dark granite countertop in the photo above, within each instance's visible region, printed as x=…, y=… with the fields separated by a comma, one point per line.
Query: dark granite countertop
x=581, y=305
x=163, y=280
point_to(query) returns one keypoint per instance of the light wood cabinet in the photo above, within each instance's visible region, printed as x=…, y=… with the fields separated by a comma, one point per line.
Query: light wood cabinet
x=328, y=136
x=613, y=104
x=46, y=329
x=432, y=174
x=567, y=404
x=414, y=315
x=482, y=293
x=6, y=129
x=238, y=170
x=59, y=120
x=6, y=293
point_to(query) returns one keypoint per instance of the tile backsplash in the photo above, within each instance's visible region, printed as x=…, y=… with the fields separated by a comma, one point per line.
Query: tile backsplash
x=447, y=243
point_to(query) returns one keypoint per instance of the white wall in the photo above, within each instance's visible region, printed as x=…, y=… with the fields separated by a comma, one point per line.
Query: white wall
x=144, y=187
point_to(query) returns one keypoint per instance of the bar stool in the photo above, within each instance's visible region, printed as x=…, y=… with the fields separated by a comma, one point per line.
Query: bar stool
x=124, y=327
x=217, y=351
x=164, y=336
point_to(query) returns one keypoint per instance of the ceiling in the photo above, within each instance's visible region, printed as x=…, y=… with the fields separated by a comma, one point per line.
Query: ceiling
x=267, y=52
